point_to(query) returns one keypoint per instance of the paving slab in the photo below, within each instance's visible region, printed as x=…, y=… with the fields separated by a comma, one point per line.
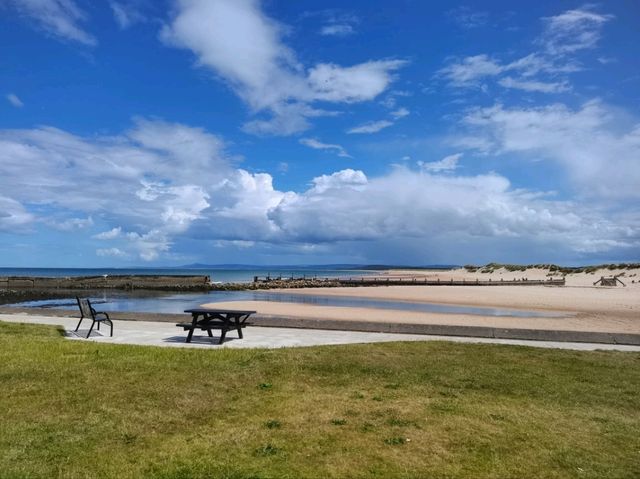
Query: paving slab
x=154, y=333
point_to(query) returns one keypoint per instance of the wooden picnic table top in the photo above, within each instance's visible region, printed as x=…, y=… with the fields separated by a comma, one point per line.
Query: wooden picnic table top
x=217, y=311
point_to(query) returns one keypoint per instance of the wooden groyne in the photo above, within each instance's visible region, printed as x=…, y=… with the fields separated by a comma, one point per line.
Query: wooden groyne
x=451, y=282
x=125, y=282
x=377, y=281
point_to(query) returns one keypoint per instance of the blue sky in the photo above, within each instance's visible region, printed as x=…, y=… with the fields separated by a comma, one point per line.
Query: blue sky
x=140, y=132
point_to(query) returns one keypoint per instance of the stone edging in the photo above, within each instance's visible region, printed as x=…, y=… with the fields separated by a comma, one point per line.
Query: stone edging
x=452, y=330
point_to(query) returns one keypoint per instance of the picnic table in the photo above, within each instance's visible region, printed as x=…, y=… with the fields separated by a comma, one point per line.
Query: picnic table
x=207, y=319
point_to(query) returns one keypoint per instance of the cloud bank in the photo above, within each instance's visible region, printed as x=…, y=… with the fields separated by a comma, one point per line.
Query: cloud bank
x=157, y=183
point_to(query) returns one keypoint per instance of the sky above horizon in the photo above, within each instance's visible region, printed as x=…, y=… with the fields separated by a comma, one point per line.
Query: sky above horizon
x=145, y=132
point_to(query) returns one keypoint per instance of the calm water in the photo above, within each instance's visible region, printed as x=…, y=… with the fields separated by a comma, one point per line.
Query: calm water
x=177, y=303
x=222, y=275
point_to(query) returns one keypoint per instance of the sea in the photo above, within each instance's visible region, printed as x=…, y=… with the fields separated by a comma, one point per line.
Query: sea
x=223, y=275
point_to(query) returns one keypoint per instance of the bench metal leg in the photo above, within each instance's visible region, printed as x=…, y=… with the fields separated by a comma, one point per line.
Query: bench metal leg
x=78, y=324
x=223, y=333
x=91, y=328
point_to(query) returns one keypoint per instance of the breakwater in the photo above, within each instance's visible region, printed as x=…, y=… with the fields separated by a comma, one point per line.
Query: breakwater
x=268, y=283
x=123, y=282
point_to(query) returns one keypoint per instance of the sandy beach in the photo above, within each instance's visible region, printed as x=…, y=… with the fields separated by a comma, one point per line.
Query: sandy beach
x=583, y=306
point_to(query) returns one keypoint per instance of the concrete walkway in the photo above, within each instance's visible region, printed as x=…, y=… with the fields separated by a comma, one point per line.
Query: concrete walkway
x=151, y=333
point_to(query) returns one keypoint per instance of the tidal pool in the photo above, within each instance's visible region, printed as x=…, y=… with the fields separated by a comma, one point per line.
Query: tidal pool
x=146, y=302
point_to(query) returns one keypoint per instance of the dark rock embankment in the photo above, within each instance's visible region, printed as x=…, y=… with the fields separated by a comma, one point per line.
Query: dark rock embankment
x=18, y=289
x=151, y=283
x=21, y=289
x=277, y=284
x=121, y=282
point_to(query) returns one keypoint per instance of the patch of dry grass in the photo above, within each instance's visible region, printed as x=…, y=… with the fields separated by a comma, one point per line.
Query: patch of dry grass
x=80, y=409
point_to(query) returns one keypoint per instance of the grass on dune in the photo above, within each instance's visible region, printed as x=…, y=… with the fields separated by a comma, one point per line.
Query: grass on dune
x=434, y=409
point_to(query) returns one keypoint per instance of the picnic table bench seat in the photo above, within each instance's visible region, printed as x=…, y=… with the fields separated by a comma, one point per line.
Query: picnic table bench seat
x=210, y=325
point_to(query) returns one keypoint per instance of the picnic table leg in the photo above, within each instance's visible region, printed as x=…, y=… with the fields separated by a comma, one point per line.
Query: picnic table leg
x=239, y=327
x=193, y=327
x=208, y=317
x=223, y=333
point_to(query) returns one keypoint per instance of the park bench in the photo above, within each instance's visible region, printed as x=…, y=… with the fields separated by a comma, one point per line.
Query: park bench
x=87, y=312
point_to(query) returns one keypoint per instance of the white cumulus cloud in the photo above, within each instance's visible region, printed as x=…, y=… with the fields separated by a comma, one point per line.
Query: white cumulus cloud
x=439, y=209
x=596, y=144
x=108, y=235
x=152, y=178
x=236, y=40
x=352, y=179
x=448, y=163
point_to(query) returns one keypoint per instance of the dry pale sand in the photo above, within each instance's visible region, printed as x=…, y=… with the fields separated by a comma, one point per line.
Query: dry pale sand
x=586, y=308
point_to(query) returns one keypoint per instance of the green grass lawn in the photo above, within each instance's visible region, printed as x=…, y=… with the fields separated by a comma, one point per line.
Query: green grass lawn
x=432, y=409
